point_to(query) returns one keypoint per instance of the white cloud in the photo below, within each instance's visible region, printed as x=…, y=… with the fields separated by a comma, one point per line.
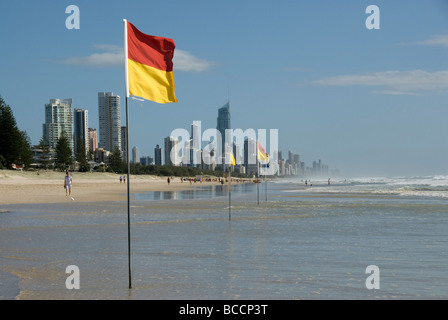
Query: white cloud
x=113, y=56
x=185, y=61
x=394, y=82
x=437, y=40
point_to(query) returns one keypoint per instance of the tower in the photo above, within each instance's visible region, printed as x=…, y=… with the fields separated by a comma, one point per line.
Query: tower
x=58, y=118
x=158, y=155
x=109, y=121
x=223, y=123
x=171, y=151
x=81, y=129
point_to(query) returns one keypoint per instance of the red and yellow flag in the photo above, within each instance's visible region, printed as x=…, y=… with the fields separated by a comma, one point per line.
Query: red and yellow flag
x=232, y=160
x=262, y=155
x=150, y=66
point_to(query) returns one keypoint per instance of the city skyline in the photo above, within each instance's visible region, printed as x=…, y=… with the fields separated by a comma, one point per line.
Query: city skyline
x=367, y=101
x=76, y=121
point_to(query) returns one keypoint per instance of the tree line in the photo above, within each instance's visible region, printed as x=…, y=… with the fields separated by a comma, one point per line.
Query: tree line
x=15, y=144
x=16, y=148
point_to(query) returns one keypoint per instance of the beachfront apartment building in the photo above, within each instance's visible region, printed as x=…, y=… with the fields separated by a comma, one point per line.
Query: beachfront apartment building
x=58, y=119
x=135, y=155
x=172, y=151
x=250, y=156
x=93, y=140
x=81, y=129
x=124, y=149
x=109, y=121
x=158, y=155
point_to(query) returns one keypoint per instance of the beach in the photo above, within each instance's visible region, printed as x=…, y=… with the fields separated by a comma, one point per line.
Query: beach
x=297, y=242
x=48, y=186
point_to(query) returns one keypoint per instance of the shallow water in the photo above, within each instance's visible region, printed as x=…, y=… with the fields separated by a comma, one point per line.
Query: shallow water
x=299, y=244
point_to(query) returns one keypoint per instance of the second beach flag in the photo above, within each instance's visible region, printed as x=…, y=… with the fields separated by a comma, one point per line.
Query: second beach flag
x=149, y=66
x=262, y=155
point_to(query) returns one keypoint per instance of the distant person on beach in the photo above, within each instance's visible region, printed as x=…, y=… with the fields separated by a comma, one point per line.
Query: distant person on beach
x=168, y=180
x=328, y=181
x=68, y=183
x=121, y=179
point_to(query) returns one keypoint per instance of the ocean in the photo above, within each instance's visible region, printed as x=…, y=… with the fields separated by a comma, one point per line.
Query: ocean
x=280, y=240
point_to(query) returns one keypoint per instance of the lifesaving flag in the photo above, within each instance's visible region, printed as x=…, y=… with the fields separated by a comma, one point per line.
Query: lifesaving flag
x=149, y=65
x=262, y=155
x=232, y=160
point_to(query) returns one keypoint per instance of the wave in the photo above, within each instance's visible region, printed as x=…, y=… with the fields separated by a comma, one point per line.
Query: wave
x=420, y=186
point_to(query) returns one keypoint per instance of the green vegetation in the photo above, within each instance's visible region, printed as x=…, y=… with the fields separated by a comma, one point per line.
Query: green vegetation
x=63, y=153
x=15, y=145
x=81, y=156
x=178, y=171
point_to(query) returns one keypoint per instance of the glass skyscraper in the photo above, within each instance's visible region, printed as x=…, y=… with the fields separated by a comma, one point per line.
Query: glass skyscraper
x=81, y=128
x=223, y=123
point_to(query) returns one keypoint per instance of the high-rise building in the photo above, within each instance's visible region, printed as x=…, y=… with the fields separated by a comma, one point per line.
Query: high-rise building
x=124, y=150
x=187, y=155
x=81, y=128
x=237, y=153
x=58, y=119
x=93, y=140
x=223, y=123
x=171, y=151
x=208, y=156
x=147, y=161
x=158, y=155
x=135, y=155
x=109, y=121
x=195, y=145
x=250, y=156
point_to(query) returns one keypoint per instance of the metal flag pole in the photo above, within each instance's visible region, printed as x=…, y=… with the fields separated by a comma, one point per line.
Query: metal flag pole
x=230, y=191
x=258, y=179
x=127, y=147
x=266, y=181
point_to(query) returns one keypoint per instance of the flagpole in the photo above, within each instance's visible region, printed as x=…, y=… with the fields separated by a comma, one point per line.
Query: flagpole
x=127, y=147
x=266, y=187
x=230, y=188
x=258, y=178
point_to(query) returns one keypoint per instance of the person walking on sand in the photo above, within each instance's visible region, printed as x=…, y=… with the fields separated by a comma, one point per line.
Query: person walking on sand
x=168, y=180
x=68, y=183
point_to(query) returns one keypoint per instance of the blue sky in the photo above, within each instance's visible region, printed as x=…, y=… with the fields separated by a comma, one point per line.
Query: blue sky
x=367, y=102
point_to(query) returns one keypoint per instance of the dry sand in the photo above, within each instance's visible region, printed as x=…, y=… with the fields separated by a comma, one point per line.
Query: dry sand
x=48, y=186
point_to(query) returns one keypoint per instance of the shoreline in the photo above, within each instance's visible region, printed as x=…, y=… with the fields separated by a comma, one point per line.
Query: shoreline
x=30, y=187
